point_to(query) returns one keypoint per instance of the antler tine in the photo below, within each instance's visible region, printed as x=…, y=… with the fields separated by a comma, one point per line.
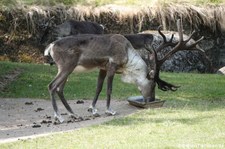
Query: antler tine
x=171, y=39
x=163, y=36
x=196, y=42
x=190, y=37
x=152, y=50
x=165, y=42
x=180, y=30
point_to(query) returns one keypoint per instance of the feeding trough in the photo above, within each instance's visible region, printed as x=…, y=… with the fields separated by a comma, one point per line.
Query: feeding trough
x=138, y=101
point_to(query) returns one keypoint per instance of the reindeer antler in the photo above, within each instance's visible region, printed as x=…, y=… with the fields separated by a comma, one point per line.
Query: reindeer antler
x=181, y=45
x=154, y=73
x=177, y=46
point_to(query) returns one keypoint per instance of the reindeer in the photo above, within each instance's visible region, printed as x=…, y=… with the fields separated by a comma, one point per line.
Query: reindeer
x=111, y=54
x=69, y=27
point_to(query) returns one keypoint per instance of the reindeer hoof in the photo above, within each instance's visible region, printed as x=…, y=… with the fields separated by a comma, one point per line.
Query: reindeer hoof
x=110, y=112
x=95, y=114
x=90, y=109
x=94, y=111
x=59, y=118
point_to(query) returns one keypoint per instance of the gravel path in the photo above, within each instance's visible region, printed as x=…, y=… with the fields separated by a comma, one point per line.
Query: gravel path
x=27, y=118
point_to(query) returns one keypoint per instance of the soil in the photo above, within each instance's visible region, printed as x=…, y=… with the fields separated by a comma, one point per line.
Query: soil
x=28, y=118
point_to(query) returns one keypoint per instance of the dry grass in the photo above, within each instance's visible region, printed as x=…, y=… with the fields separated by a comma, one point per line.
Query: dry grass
x=119, y=2
x=210, y=16
x=131, y=13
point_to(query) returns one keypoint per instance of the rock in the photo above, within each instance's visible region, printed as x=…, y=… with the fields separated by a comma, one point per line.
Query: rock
x=221, y=71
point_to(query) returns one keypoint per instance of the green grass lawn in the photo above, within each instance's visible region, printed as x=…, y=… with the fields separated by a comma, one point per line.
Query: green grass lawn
x=193, y=116
x=35, y=78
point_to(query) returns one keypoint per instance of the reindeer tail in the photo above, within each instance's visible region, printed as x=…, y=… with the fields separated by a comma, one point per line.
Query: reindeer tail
x=47, y=55
x=48, y=49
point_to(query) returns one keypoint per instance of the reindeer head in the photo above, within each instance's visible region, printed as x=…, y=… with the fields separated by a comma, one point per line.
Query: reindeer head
x=154, y=63
x=47, y=29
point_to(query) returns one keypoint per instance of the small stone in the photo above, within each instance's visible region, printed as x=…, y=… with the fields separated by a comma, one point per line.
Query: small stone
x=38, y=109
x=80, y=102
x=28, y=103
x=46, y=122
x=36, y=126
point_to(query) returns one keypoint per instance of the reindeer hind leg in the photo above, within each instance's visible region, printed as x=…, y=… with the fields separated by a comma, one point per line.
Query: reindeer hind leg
x=110, y=75
x=101, y=78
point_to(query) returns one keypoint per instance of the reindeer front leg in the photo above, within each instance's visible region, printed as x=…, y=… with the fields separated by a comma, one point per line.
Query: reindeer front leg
x=101, y=78
x=53, y=86
x=62, y=98
x=110, y=74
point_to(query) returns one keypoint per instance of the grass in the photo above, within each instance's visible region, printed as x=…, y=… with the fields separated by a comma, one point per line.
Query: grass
x=153, y=128
x=35, y=78
x=193, y=116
